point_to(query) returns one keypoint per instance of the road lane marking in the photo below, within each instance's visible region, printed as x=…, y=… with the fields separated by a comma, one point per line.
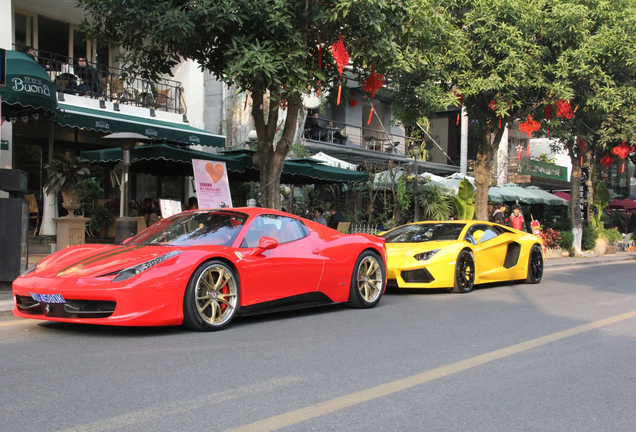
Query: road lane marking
x=333, y=405
x=184, y=407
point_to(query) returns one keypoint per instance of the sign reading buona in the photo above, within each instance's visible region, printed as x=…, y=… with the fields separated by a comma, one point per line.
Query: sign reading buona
x=27, y=84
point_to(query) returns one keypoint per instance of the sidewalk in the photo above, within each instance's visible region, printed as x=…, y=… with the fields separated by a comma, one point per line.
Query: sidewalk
x=6, y=298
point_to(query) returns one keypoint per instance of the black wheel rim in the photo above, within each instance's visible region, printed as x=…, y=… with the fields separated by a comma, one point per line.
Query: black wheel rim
x=536, y=264
x=465, y=272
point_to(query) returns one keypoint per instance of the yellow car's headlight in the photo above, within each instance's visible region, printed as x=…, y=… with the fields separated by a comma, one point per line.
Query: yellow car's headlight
x=425, y=256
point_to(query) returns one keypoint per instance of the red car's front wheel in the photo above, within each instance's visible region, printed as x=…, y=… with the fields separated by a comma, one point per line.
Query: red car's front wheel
x=212, y=297
x=367, y=282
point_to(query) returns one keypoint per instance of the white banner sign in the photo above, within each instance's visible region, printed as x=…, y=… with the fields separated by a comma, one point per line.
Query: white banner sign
x=213, y=187
x=169, y=207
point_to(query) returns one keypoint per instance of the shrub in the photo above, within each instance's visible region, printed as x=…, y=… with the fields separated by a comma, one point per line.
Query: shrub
x=567, y=240
x=611, y=235
x=588, y=242
x=551, y=238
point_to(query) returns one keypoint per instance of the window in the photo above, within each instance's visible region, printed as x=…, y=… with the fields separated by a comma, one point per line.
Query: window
x=280, y=228
x=489, y=233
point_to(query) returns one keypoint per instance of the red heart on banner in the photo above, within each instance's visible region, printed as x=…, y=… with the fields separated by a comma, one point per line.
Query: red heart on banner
x=215, y=171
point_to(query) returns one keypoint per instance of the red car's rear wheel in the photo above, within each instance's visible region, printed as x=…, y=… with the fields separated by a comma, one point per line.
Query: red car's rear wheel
x=212, y=297
x=367, y=282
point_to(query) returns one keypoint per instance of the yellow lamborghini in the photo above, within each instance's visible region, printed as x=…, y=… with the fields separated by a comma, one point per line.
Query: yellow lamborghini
x=460, y=254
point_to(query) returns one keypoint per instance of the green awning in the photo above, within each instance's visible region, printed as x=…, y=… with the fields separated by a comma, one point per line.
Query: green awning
x=111, y=122
x=159, y=159
x=27, y=85
x=299, y=171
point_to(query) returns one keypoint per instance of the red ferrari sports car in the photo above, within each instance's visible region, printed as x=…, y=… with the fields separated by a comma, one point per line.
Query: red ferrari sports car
x=202, y=268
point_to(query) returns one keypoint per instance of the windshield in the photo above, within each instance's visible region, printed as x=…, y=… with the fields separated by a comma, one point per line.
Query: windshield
x=424, y=232
x=194, y=228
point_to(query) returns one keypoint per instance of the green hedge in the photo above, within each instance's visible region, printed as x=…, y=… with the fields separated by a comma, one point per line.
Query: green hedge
x=567, y=240
x=589, y=237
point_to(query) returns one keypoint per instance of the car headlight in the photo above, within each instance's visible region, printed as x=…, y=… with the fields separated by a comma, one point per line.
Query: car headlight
x=425, y=256
x=135, y=270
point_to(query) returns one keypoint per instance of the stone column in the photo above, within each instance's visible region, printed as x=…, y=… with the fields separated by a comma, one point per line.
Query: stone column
x=71, y=231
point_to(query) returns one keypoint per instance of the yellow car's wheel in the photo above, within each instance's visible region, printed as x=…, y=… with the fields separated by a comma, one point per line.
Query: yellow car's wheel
x=212, y=297
x=464, y=272
x=367, y=282
x=535, y=265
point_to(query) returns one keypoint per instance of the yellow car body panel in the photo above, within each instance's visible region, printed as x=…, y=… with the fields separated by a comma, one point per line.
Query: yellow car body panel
x=504, y=257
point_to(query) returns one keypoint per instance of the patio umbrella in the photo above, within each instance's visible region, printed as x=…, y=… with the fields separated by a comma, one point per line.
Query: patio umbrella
x=549, y=198
x=512, y=192
x=624, y=204
x=564, y=195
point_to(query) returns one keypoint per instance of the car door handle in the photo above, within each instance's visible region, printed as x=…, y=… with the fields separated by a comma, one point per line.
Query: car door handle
x=316, y=251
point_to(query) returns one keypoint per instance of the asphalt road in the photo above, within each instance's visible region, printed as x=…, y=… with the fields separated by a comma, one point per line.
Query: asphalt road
x=558, y=356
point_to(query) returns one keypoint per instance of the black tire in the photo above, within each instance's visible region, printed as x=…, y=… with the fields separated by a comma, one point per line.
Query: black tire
x=464, y=272
x=212, y=297
x=367, y=281
x=535, y=265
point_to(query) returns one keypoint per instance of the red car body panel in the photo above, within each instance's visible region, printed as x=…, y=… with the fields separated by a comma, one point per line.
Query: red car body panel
x=322, y=261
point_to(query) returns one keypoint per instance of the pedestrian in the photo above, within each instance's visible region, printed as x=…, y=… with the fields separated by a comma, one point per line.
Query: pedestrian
x=193, y=203
x=516, y=218
x=499, y=215
x=318, y=216
x=491, y=210
x=336, y=217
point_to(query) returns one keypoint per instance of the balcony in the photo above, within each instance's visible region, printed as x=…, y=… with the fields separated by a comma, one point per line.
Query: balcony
x=362, y=145
x=108, y=83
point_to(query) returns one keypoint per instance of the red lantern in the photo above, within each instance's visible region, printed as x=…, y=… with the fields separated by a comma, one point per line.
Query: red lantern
x=607, y=161
x=373, y=82
x=582, y=145
x=622, y=150
x=353, y=103
x=529, y=126
x=493, y=105
x=341, y=56
x=547, y=112
x=564, y=109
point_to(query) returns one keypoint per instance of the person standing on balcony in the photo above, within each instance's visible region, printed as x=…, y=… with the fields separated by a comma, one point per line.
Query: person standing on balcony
x=88, y=77
x=30, y=52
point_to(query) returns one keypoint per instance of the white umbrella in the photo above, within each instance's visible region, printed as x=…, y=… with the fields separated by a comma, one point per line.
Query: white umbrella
x=334, y=162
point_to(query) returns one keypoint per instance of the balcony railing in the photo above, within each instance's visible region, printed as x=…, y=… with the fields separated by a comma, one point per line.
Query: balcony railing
x=104, y=82
x=334, y=132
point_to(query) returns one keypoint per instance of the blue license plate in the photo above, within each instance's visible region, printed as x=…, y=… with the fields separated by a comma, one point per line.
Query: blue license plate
x=48, y=298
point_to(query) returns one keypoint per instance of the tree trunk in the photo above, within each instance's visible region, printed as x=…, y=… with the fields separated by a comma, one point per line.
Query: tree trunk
x=575, y=205
x=483, y=176
x=270, y=156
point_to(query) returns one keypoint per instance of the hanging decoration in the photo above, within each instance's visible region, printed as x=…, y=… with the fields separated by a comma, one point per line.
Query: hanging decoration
x=529, y=126
x=460, y=101
x=607, y=161
x=373, y=82
x=622, y=150
x=370, y=115
x=528, y=150
x=319, y=64
x=13, y=120
x=493, y=106
x=519, y=152
x=582, y=145
x=564, y=109
x=547, y=115
x=353, y=103
x=341, y=56
x=284, y=104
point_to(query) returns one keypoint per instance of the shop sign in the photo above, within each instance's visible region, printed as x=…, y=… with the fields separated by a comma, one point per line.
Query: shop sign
x=544, y=170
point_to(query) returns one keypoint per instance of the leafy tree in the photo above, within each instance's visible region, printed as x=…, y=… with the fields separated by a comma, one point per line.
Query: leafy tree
x=267, y=48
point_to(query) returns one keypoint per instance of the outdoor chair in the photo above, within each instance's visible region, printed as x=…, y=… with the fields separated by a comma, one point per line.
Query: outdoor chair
x=343, y=227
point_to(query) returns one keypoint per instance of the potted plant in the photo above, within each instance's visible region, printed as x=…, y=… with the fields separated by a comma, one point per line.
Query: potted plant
x=64, y=174
x=102, y=219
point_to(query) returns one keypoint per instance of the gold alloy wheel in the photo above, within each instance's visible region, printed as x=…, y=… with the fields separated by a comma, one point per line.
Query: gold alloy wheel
x=216, y=294
x=370, y=279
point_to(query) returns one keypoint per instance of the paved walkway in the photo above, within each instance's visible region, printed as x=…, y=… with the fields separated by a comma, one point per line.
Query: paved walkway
x=6, y=299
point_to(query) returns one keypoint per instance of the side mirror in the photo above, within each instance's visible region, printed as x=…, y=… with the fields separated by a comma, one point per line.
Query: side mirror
x=477, y=235
x=265, y=243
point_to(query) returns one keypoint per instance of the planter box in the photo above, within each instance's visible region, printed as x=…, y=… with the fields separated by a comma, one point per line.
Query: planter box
x=553, y=253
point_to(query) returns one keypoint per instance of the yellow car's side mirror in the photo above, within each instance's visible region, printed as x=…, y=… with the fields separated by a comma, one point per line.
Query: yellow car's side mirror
x=477, y=235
